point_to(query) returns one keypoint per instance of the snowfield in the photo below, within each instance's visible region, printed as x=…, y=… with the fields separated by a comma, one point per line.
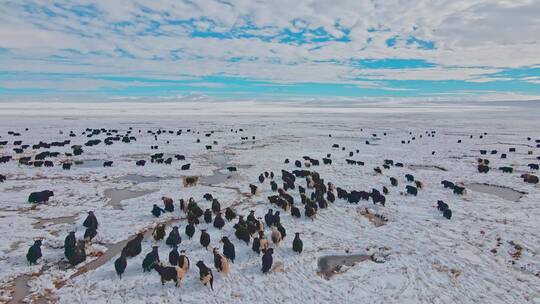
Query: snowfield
x=488, y=252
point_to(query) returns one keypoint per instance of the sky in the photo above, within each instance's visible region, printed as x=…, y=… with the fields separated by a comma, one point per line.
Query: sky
x=270, y=50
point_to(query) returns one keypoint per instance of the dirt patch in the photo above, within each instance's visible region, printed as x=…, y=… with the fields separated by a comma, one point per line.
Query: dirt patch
x=452, y=272
x=14, y=246
x=517, y=250
x=15, y=189
x=377, y=219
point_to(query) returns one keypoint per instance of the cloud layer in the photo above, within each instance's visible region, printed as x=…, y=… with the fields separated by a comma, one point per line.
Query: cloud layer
x=270, y=49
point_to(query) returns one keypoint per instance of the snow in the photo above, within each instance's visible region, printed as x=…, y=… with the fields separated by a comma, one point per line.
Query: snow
x=424, y=258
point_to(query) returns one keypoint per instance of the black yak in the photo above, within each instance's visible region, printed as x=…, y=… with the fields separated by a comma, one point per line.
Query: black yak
x=174, y=238
x=120, y=264
x=205, y=274
x=412, y=190
x=297, y=243
x=204, y=240
x=34, y=252
x=150, y=259
x=133, y=247
x=228, y=249
x=267, y=260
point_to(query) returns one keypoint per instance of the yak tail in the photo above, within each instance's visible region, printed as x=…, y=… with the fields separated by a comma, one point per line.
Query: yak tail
x=212, y=283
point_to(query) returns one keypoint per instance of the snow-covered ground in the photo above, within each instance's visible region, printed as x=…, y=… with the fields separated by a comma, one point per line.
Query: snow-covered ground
x=487, y=253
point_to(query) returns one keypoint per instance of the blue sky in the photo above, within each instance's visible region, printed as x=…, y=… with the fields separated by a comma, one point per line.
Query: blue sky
x=273, y=50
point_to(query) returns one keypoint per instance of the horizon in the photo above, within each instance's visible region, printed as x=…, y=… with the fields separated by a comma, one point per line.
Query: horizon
x=308, y=51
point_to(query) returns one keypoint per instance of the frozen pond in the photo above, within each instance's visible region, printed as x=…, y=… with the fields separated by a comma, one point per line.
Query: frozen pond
x=42, y=223
x=216, y=178
x=221, y=174
x=427, y=167
x=20, y=289
x=136, y=178
x=116, y=196
x=503, y=192
x=89, y=163
x=330, y=265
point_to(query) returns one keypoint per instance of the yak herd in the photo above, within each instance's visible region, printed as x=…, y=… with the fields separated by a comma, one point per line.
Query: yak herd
x=262, y=234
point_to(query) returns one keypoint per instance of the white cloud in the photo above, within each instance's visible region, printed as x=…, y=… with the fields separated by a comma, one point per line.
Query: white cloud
x=74, y=84
x=468, y=34
x=469, y=74
x=22, y=37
